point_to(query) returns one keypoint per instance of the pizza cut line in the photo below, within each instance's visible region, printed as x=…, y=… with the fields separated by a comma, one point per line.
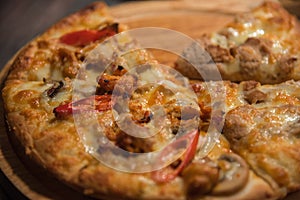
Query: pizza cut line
x=255, y=157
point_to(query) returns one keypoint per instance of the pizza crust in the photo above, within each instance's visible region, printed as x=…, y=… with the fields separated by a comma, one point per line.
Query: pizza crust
x=256, y=188
x=89, y=17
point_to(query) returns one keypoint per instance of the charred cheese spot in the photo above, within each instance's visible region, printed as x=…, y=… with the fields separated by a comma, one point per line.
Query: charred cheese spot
x=24, y=95
x=35, y=103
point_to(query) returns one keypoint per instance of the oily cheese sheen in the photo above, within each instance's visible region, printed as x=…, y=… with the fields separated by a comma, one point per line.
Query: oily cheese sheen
x=255, y=157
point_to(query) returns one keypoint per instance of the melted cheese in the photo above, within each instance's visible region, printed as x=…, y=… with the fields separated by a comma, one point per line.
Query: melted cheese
x=22, y=90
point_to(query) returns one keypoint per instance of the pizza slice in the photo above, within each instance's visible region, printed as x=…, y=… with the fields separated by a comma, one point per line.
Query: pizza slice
x=261, y=45
x=265, y=133
x=261, y=125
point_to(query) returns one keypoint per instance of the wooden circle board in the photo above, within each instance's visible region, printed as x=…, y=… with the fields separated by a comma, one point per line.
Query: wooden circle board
x=191, y=17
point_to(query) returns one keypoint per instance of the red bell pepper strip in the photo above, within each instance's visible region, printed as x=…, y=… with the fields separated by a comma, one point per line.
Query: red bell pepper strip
x=85, y=37
x=168, y=173
x=93, y=103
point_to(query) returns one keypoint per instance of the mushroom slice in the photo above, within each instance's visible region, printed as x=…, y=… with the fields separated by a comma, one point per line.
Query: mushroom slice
x=233, y=174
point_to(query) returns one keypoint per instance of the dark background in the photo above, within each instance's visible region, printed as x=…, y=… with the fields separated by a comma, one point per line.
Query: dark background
x=21, y=21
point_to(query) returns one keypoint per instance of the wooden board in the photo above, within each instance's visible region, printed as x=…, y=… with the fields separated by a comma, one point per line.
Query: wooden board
x=190, y=17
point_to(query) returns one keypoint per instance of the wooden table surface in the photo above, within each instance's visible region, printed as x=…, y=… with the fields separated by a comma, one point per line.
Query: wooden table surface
x=21, y=21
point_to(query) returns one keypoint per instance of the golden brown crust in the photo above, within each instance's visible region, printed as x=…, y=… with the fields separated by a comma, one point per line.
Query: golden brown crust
x=87, y=18
x=22, y=63
x=256, y=188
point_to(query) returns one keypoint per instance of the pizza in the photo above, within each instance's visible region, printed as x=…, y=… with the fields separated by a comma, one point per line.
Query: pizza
x=68, y=118
x=261, y=45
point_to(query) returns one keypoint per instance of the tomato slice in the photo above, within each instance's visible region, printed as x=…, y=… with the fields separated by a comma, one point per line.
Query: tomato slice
x=168, y=173
x=85, y=37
